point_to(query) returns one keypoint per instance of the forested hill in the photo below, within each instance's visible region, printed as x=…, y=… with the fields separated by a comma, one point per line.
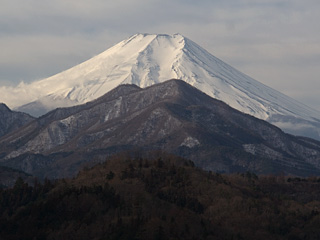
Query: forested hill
x=161, y=198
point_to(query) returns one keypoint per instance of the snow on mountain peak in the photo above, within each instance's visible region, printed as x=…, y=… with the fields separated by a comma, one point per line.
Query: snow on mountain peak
x=147, y=59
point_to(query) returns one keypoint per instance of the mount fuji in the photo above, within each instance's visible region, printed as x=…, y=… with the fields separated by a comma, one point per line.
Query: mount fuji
x=147, y=59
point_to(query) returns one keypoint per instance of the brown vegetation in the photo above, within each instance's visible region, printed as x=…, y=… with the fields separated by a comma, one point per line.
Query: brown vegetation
x=161, y=197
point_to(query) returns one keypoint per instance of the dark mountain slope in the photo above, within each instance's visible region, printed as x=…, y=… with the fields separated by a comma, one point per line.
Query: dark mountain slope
x=8, y=177
x=172, y=116
x=11, y=120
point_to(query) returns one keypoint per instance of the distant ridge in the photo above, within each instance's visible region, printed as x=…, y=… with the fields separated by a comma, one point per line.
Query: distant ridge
x=172, y=116
x=147, y=59
x=11, y=120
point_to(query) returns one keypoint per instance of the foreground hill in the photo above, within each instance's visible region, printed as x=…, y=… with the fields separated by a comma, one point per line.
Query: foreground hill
x=147, y=59
x=172, y=116
x=161, y=197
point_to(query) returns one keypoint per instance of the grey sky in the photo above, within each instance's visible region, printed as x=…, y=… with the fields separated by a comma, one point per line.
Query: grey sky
x=277, y=42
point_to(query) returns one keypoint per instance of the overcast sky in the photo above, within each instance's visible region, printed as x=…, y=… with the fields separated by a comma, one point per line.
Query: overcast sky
x=277, y=42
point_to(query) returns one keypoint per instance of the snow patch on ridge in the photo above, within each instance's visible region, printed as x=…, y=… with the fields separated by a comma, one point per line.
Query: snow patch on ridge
x=115, y=111
x=67, y=121
x=190, y=142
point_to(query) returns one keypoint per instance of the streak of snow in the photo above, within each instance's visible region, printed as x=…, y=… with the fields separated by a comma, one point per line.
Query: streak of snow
x=67, y=121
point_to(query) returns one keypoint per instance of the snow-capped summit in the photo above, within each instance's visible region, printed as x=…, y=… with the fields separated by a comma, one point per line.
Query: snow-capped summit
x=147, y=59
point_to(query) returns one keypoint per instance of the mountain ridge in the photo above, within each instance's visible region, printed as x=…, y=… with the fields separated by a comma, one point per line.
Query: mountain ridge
x=11, y=120
x=147, y=59
x=172, y=116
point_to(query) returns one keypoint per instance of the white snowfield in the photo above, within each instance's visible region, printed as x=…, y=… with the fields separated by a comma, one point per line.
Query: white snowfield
x=147, y=59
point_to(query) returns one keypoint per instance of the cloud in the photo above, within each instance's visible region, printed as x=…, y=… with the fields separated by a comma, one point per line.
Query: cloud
x=276, y=42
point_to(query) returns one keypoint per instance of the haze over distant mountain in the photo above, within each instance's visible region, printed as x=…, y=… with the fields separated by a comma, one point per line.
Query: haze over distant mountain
x=146, y=59
x=171, y=116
